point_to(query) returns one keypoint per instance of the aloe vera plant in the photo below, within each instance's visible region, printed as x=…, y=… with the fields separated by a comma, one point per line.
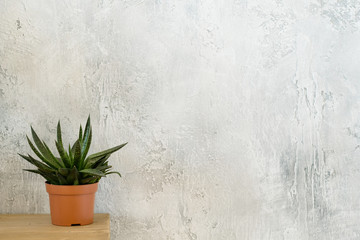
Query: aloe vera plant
x=72, y=167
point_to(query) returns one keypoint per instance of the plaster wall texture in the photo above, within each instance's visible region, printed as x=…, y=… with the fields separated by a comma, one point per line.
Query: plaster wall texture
x=242, y=116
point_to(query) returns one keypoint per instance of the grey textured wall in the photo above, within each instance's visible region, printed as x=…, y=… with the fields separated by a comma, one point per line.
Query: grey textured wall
x=242, y=116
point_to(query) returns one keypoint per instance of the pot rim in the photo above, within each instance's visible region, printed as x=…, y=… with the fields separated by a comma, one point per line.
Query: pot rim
x=71, y=189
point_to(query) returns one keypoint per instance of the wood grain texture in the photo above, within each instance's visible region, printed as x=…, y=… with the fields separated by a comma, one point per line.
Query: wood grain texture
x=38, y=226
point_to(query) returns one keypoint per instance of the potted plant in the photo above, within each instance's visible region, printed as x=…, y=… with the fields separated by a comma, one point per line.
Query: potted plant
x=72, y=178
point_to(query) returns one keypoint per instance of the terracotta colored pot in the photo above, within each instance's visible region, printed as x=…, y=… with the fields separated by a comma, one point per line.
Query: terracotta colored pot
x=72, y=204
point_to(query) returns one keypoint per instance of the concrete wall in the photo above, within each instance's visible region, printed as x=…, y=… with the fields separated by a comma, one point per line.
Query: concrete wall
x=242, y=116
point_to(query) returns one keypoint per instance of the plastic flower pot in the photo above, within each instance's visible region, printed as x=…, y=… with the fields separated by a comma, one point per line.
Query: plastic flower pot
x=72, y=205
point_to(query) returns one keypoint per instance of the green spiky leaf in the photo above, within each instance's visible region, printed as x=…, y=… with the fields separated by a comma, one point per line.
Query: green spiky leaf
x=64, y=171
x=71, y=157
x=77, y=154
x=108, y=151
x=60, y=147
x=51, y=155
x=73, y=176
x=37, y=163
x=94, y=162
x=88, y=180
x=61, y=179
x=113, y=173
x=86, y=140
x=93, y=172
x=40, y=155
x=80, y=134
x=103, y=167
x=51, y=178
x=43, y=150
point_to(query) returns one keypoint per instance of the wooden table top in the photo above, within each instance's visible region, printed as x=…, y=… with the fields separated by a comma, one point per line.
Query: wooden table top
x=39, y=227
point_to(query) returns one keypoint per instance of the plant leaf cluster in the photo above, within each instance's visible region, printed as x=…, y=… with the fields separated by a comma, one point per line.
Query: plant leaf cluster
x=73, y=166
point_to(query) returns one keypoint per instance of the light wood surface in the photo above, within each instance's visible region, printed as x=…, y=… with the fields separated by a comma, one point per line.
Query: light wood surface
x=39, y=227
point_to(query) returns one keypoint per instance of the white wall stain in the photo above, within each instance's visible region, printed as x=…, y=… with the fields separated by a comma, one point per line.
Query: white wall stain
x=242, y=117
